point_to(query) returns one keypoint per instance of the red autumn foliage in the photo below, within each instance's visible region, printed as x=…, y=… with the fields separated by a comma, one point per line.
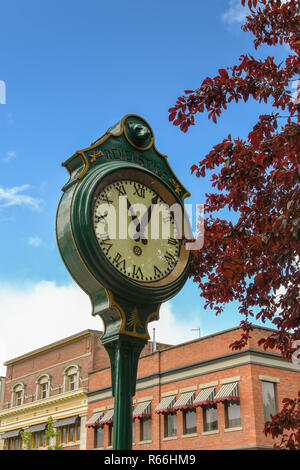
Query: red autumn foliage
x=256, y=260
x=288, y=419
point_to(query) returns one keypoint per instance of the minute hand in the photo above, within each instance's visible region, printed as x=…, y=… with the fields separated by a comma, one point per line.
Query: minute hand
x=132, y=213
x=145, y=220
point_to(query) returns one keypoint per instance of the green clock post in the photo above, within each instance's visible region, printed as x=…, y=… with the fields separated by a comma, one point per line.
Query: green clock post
x=120, y=201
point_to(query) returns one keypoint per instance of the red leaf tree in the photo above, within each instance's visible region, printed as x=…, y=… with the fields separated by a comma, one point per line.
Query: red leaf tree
x=256, y=260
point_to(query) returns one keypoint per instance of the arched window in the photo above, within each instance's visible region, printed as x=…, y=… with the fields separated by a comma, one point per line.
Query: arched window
x=43, y=384
x=71, y=377
x=18, y=394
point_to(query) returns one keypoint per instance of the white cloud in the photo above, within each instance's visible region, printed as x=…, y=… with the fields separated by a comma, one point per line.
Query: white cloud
x=10, y=155
x=169, y=329
x=38, y=314
x=34, y=315
x=34, y=241
x=14, y=197
x=236, y=13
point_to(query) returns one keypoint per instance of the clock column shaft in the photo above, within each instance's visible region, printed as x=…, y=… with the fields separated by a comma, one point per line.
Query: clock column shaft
x=124, y=352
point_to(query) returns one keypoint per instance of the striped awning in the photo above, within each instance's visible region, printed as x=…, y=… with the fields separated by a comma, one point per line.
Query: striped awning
x=37, y=427
x=65, y=421
x=94, y=419
x=205, y=397
x=143, y=410
x=184, y=401
x=12, y=433
x=166, y=404
x=107, y=418
x=228, y=392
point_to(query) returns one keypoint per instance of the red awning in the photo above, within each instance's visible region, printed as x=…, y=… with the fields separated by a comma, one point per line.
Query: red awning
x=143, y=410
x=228, y=392
x=166, y=405
x=93, y=422
x=107, y=418
x=205, y=397
x=185, y=401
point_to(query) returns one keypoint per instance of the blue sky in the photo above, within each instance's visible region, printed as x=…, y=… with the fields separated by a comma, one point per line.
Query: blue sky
x=71, y=70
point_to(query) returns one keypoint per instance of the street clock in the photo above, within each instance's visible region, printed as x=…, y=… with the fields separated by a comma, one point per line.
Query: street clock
x=121, y=231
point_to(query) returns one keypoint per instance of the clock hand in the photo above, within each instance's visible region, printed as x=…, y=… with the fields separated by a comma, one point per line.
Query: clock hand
x=134, y=218
x=133, y=214
x=145, y=220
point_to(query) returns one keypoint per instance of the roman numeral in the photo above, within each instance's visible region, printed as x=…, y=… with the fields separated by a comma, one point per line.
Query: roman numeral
x=157, y=272
x=104, y=197
x=105, y=241
x=101, y=219
x=169, y=258
x=140, y=191
x=103, y=237
x=137, y=272
x=119, y=262
x=120, y=188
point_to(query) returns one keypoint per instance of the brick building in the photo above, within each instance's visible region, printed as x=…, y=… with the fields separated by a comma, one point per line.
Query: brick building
x=196, y=395
x=51, y=381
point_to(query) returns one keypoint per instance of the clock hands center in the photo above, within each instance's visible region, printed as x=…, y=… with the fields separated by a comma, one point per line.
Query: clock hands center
x=135, y=220
x=133, y=214
x=144, y=222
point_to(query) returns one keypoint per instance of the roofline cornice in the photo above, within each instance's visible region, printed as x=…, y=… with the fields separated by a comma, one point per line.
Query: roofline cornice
x=51, y=346
x=80, y=393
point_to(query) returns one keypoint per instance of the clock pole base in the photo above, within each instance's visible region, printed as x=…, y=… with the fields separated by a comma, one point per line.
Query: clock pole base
x=124, y=352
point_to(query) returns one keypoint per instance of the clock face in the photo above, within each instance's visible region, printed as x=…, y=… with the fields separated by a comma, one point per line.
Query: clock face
x=136, y=230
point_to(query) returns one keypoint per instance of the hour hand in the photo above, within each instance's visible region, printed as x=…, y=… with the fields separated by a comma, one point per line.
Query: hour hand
x=145, y=220
x=133, y=214
x=134, y=218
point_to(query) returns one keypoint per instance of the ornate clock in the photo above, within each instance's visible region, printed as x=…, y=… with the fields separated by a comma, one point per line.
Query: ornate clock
x=139, y=257
x=120, y=228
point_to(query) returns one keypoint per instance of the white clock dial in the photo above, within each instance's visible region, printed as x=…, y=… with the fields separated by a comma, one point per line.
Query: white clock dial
x=150, y=249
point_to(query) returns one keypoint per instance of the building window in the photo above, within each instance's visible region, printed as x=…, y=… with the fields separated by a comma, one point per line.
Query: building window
x=44, y=390
x=110, y=434
x=77, y=431
x=210, y=418
x=17, y=443
x=35, y=440
x=232, y=414
x=19, y=398
x=99, y=437
x=72, y=382
x=69, y=433
x=18, y=395
x=43, y=386
x=71, y=378
x=269, y=399
x=13, y=443
x=72, y=432
x=146, y=429
x=42, y=438
x=170, y=424
x=189, y=421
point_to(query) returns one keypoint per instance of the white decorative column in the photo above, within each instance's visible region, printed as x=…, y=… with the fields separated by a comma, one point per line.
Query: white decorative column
x=83, y=419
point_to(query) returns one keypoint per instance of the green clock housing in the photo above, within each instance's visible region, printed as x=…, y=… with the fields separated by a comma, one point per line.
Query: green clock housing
x=128, y=278
x=126, y=154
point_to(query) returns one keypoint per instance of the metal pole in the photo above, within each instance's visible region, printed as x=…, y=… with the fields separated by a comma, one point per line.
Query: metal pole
x=124, y=352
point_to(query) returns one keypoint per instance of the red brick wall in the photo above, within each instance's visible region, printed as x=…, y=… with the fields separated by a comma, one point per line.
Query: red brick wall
x=252, y=417
x=53, y=362
x=288, y=387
